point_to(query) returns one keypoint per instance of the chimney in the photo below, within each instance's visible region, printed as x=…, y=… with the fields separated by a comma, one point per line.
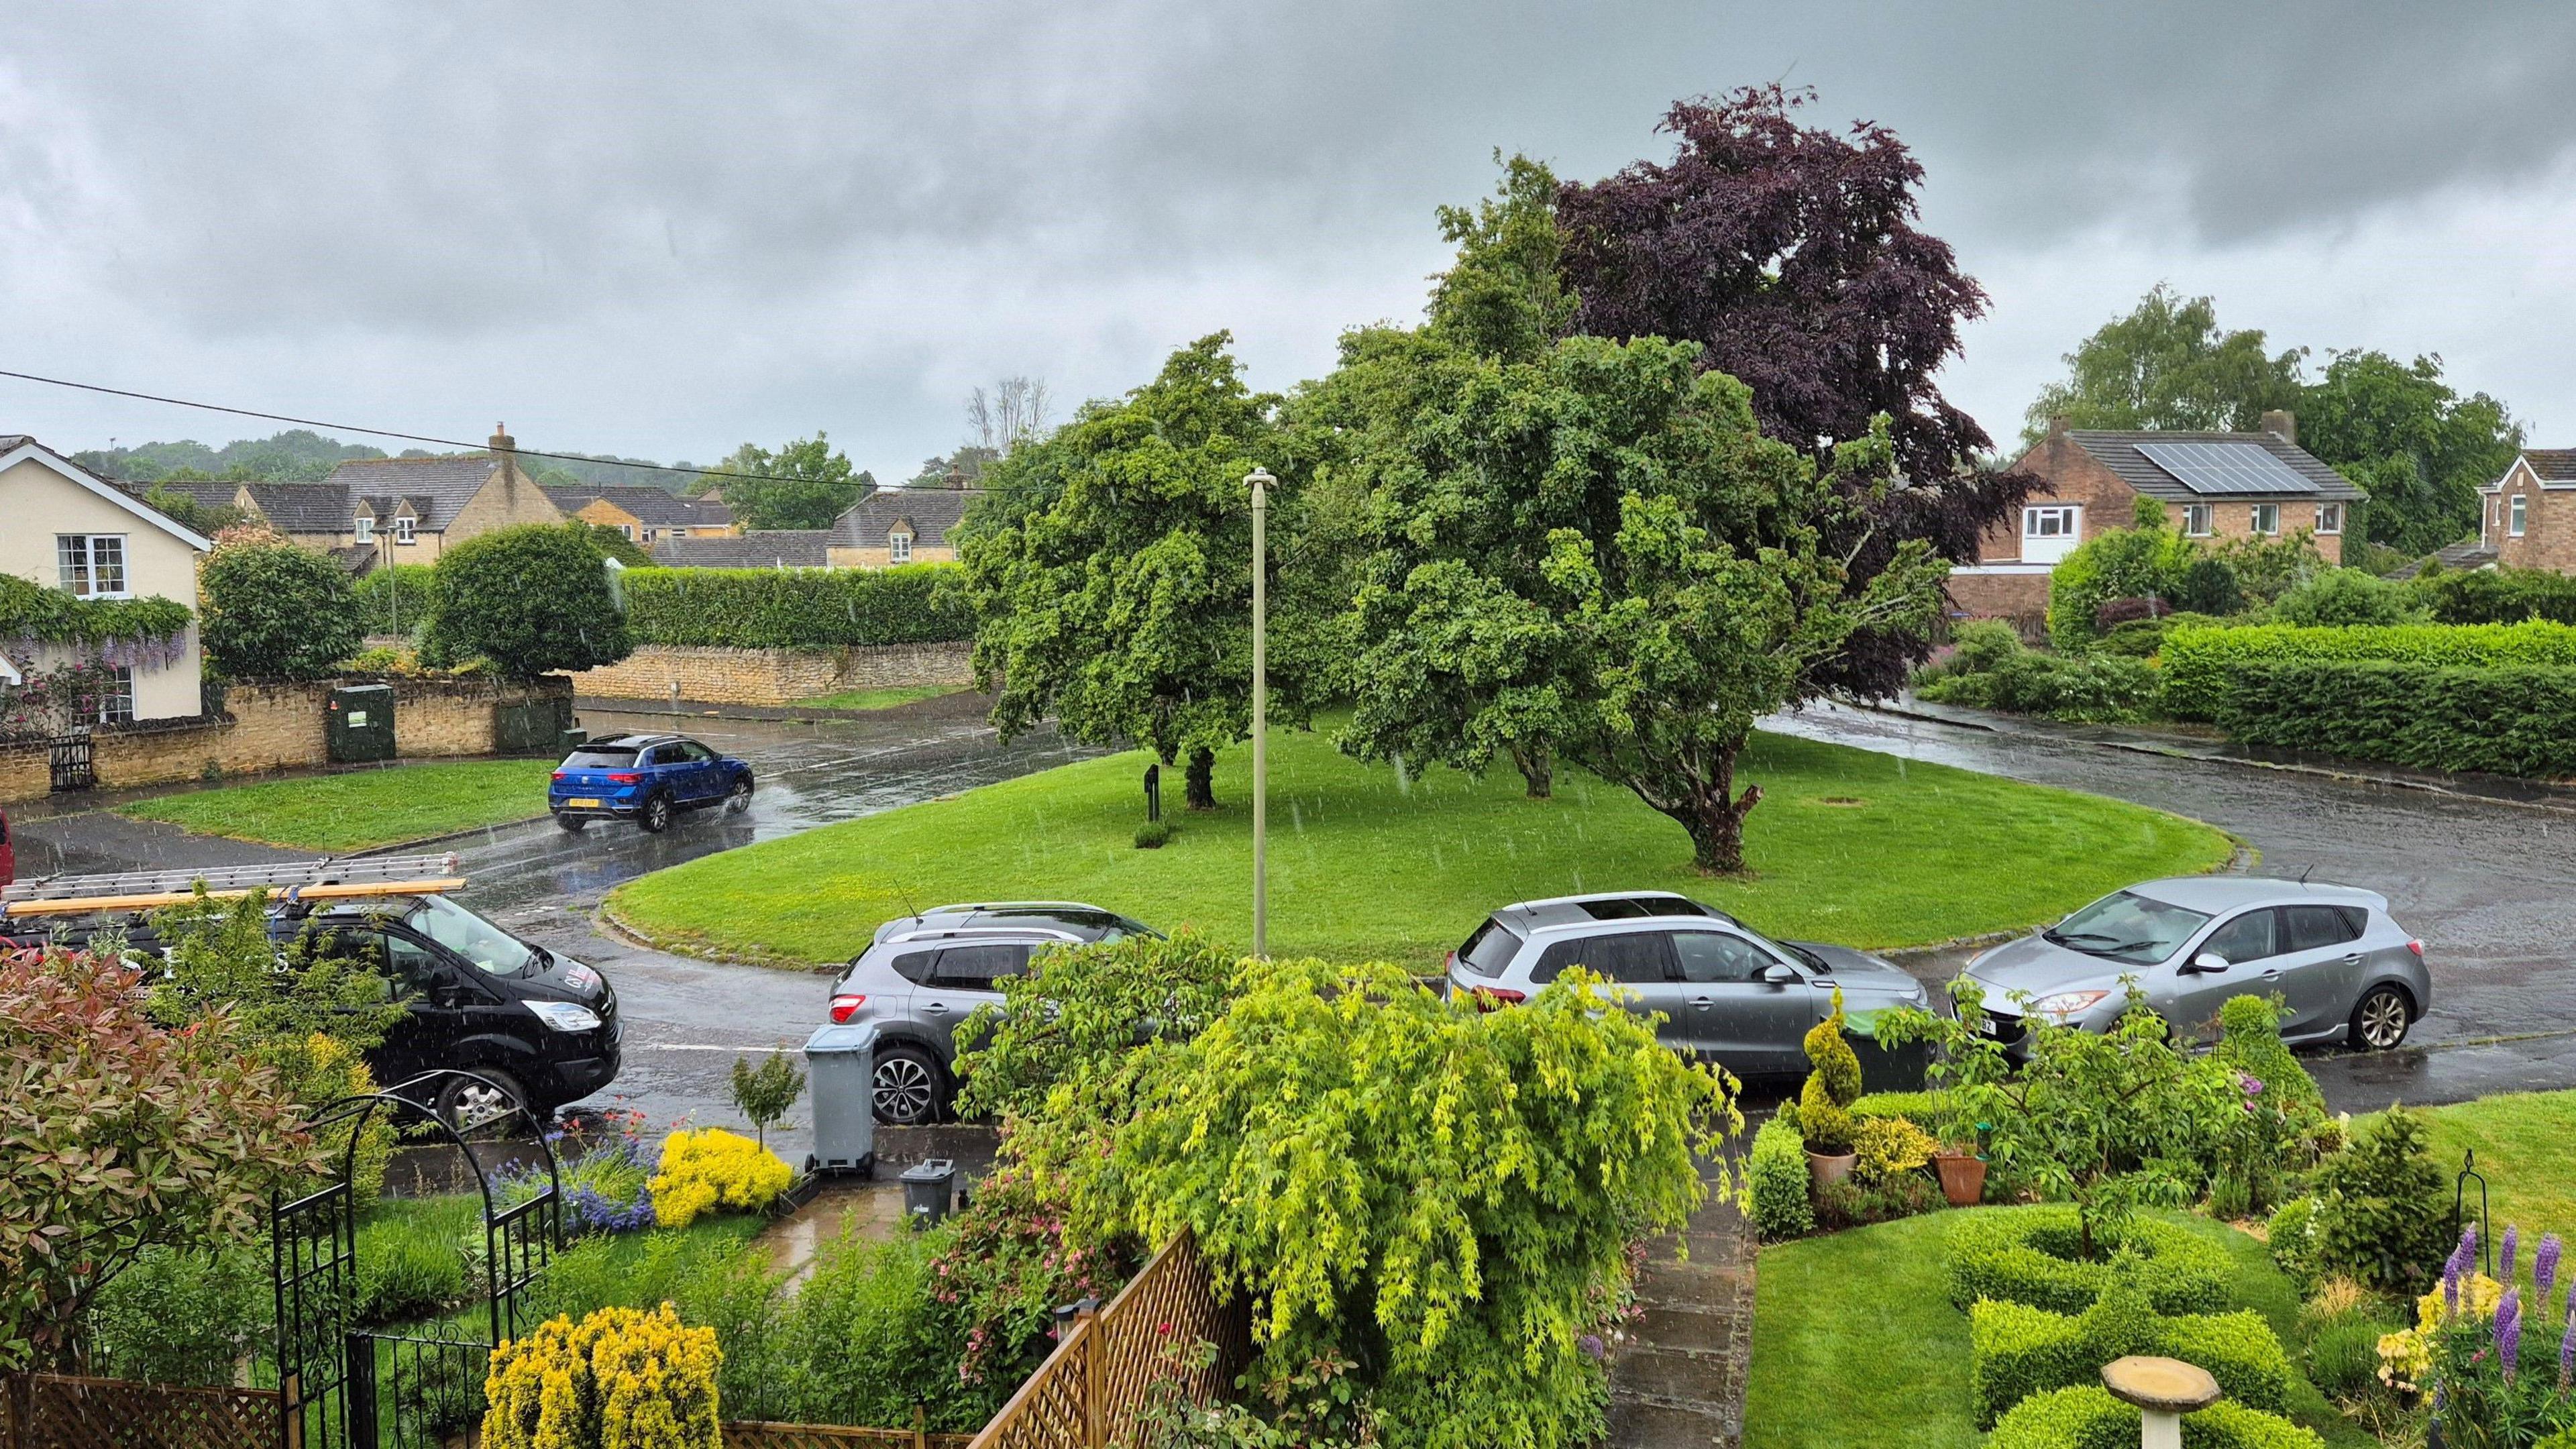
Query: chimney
x=2057, y=425
x=501, y=442
x=955, y=478
x=2283, y=422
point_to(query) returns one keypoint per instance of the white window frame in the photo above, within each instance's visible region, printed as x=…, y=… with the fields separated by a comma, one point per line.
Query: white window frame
x=627, y=529
x=406, y=530
x=2199, y=520
x=2049, y=531
x=898, y=547
x=2517, y=515
x=363, y=527
x=2256, y=516
x=115, y=703
x=2329, y=518
x=76, y=557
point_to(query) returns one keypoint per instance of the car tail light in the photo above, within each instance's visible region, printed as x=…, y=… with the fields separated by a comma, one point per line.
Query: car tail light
x=1489, y=997
x=624, y=777
x=845, y=1007
x=2416, y=946
x=559, y=774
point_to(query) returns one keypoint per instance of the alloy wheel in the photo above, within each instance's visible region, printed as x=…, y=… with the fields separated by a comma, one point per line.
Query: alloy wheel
x=2383, y=1020
x=740, y=799
x=472, y=1104
x=904, y=1091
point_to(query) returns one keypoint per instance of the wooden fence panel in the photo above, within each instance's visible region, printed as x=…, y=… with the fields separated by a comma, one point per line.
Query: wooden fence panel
x=759, y=1434
x=61, y=1411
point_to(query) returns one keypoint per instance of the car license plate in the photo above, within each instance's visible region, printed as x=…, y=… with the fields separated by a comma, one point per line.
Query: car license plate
x=583, y=804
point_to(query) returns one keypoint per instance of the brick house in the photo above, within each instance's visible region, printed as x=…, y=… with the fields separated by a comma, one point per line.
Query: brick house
x=2213, y=486
x=2527, y=518
x=65, y=527
x=900, y=525
x=405, y=510
x=646, y=515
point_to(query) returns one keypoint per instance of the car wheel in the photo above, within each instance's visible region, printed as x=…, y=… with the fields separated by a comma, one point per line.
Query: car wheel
x=572, y=824
x=465, y=1102
x=2380, y=1019
x=738, y=799
x=911, y=1090
x=656, y=816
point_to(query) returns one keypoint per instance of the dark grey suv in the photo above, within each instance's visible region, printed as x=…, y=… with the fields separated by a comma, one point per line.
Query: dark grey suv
x=1726, y=992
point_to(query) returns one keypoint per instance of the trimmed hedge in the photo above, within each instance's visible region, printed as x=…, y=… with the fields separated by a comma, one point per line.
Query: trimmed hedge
x=2501, y=596
x=807, y=609
x=1776, y=1175
x=2016, y=1351
x=1924, y=1109
x=2089, y=1418
x=2028, y=1255
x=2200, y=665
x=2508, y=719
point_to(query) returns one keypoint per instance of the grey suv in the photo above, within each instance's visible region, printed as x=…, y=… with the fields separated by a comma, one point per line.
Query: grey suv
x=925, y=974
x=1725, y=991
x=2341, y=966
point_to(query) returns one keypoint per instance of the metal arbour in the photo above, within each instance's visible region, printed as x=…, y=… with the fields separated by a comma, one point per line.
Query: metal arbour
x=349, y=1386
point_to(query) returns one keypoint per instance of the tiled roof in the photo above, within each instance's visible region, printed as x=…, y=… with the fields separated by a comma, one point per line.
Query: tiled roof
x=655, y=506
x=2469, y=555
x=932, y=512
x=357, y=558
x=440, y=486
x=303, y=507
x=2119, y=453
x=794, y=548
x=2554, y=465
x=205, y=492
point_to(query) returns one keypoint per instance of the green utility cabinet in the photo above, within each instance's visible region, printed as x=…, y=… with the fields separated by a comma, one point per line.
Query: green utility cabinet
x=533, y=726
x=359, y=726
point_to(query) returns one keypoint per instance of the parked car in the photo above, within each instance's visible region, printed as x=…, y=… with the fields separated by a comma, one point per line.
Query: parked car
x=2343, y=968
x=925, y=974
x=648, y=779
x=8, y=852
x=1726, y=992
x=541, y=1028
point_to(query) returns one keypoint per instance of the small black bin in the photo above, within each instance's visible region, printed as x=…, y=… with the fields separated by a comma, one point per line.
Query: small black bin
x=929, y=1188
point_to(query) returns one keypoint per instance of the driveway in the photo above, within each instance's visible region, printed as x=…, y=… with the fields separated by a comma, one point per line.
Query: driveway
x=2489, y=884
x=686, y=1020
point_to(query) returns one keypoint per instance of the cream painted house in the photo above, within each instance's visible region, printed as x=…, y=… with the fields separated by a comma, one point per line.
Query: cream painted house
x=65, y=527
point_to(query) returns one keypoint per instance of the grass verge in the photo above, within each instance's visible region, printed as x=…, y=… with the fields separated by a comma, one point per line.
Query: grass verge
x=2526, y=1146
x=886, y=698
x=1370, y=862
x=362, y=809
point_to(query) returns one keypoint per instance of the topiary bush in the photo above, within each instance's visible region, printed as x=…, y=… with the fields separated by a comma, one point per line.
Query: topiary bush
x=2016, y=1351
x=2199, y=664
x=1776, y=1180
x=2089, y=1418
x=2030, y=1255
x=2506, y=720
x=1824, y=1104
x=2292, y=1234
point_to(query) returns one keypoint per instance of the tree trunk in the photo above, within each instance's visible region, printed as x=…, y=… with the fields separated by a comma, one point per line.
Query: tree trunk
x=1201, y=779
x=1537, y=767
x=1715, y=818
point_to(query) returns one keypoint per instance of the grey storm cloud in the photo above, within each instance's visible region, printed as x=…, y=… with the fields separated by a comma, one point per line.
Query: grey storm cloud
x=793, y=203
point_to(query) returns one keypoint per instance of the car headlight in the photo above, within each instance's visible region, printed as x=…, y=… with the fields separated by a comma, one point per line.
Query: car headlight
x=2068, y=1003
x=565, y=1016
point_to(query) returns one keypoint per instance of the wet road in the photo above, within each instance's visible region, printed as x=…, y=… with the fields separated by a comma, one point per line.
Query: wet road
x=2490, y=886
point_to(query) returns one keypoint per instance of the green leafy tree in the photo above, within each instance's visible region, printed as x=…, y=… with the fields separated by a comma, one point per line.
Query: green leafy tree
x=1597, y=556
x=619, y=547
x=275, y=611
x=2168, y=364
x=805, y=484
x=1505, y=296
x=532, y=600
x=1113, y=580
x=208, y=519
x=764, y=1093
x=2417, y=447
x=2146, y=560
x=395, y=599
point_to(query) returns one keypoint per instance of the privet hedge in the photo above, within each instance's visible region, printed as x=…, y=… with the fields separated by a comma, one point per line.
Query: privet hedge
x=807, y=609
x=2089, y=1418
x=2032, y=1255
x=2199, y=664
x=1776, y=1176
x=2016, y=1351
x=2512, y=719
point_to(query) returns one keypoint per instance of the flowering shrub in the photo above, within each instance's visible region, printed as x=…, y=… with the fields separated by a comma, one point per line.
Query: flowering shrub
x=712, y=1170
x=606, y=1185
x=2498, y=1364
x=622, y=1378
x=1004, y=1272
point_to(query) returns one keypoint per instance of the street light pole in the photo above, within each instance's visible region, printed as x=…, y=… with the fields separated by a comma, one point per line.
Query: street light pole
x=1260, y=482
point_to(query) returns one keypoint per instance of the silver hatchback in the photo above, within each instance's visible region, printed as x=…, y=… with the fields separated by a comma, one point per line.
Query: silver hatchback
x=2343, y=969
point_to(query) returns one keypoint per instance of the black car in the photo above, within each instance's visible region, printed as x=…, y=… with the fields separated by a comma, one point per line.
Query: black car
x=541, y=1027
x=648, y=779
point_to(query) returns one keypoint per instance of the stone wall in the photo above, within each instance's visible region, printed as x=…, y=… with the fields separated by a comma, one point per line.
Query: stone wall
x=772, y=676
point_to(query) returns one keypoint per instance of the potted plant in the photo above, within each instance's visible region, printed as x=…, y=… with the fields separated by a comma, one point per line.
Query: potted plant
x=1824, y=1104
x=1963, y=1173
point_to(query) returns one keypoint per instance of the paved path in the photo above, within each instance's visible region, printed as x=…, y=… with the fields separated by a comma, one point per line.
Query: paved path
x=1677, y=1382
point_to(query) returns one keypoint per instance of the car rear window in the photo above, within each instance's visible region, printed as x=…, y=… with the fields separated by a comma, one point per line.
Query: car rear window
x=593, y=758
x=1490, y=949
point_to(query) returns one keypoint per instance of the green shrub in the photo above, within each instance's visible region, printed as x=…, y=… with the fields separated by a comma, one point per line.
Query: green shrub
x=2343, y=1356
x=1153, y=835
x=2136, y=639
x=2016, y=1350
x=2144, y=561
x=1776, y=1176
x=2208, y=585
x=183, y=1317
x=1992, y=670
x=2501, y=596
x=407, y=1268
x=2348, y=596
x=2507, y=720
x=2089, y=1418
x=1928, y=1110
x=275, y=611
x=533, y=600
x=2383, y=1209
x=865, y=1339
x=808, y=609
x=2267, y=568
x=1855, y=1202
x=1833, y=1084
x=395, y=599
x=2029, y=1255
x=2292, y=1232
x=2198, y=664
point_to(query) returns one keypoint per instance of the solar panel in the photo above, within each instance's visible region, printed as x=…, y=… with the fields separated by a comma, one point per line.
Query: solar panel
x=2227, y=468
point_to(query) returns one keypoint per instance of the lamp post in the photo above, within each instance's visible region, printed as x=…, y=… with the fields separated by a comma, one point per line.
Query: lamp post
x=1260, y=482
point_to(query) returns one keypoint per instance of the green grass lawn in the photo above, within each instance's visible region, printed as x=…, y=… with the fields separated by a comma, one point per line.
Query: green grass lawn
x=1366, y=862
x=882, y=698
x=1855, y=1341
x=2526, y=1146
x=363, y=808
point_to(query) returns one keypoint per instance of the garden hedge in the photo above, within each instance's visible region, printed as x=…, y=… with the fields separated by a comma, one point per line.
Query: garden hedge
x=2016, y=1351
x=1777, y=1177
x=2028, y=1255
x=2200, y=665
x=805, y=609
x=1923, y=1109
x=2089, y=1418
x=2501, y=596
x=2513, y=719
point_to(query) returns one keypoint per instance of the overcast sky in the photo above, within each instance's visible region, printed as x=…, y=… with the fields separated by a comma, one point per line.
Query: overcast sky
x=664, y=230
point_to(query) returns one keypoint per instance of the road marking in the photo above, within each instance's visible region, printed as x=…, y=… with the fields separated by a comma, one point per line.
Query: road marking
x=675, y=1046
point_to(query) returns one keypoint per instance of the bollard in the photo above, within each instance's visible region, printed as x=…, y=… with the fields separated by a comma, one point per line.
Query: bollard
x=2164, y=1389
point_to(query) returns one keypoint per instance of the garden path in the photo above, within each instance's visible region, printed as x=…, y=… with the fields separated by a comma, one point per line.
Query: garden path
x=1677, y=1379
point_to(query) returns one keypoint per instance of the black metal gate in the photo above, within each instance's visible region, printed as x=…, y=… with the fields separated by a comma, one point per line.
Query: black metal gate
x=353, y=1387
x=71, y=761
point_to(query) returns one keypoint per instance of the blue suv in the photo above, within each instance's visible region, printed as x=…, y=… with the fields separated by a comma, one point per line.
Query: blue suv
x=646, y=779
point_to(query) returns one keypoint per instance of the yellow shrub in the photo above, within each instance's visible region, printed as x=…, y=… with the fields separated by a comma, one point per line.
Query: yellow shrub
x=1890, y=1147
x=620, y=1379
x=704, y=1172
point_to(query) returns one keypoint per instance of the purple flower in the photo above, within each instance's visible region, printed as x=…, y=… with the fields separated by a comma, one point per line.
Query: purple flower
x=2451, y=1288
x=2544, y=1266
x=1591, y=1346
x=2567, y=1353
x=2508, y=1330
x=2512, y=1239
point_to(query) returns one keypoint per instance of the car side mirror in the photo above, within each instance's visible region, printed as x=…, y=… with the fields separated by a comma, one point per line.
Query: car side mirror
x=1779, y=976
x=2210, y=962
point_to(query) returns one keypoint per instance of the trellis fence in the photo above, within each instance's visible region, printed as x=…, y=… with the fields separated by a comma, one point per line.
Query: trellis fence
x=1089, y=1391
x=62, y=1411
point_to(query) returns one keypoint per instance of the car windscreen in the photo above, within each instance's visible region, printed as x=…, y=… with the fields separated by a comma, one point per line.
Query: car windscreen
x=490, y=948
x=1490, y=949
x=594, y=757
x=2125, y=926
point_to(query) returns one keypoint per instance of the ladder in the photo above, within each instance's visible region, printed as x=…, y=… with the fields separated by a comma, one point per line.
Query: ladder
x=329, y=878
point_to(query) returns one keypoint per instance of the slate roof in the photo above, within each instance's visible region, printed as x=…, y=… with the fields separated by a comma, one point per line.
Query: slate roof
x=303, y=507
x=2118, y=451
x=205, y=492
x=2554, y=465
x=655, y=506
x=437, y=486
x=2469, y=555
x=932, y=512
x=794, y=548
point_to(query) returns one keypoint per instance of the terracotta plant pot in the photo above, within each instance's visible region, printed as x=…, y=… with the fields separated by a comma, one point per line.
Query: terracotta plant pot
x=1963, y=1177
x=1828, y=1170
